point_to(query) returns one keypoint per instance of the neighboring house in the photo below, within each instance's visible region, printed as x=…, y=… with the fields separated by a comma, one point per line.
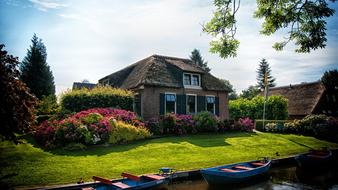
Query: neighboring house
x=307, y=98
x=171, y=85
x=79, y=85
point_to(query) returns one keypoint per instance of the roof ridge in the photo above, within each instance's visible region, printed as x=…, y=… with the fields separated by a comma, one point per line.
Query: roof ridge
x=295, y=85
x=169, y=57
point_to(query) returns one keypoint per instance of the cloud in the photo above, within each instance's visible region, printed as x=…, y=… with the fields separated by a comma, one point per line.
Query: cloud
x=91, y=39
x=45, y=5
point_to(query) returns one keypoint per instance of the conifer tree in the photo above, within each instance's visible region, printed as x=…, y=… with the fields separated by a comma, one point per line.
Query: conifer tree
x=197, y=59
x=262, y=69
x=35, y=72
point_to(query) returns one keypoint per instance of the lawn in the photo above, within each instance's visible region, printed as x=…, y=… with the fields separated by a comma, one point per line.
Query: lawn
x=28, y=165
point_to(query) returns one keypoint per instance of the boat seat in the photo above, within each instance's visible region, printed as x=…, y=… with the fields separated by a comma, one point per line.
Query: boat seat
x=131, y=176
x=242, y=168
x=257, y=163
x=154, y=177
x=102, y=180
x=228, y=170
x=121, y=185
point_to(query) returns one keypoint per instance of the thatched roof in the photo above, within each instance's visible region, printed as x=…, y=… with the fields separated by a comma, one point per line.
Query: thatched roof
x=79, y=85
x=162, y=71
x=302, y=98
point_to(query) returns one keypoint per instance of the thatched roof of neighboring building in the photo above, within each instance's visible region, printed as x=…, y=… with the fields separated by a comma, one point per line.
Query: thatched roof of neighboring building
x=302, y=98
x=162, y=71
x=79, y=85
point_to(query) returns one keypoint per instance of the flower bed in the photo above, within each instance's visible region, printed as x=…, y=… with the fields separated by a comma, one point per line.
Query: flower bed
x=199, y=123
x=91, y=127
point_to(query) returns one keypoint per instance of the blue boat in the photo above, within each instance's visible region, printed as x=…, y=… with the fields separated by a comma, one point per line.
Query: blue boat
x=130, y=181
x=314, y=159
x=236, y=173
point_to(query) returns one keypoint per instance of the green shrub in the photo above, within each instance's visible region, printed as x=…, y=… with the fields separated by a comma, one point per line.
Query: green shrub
x=122, y=132
x=82, y=99
x=92, y=118
x=276, y=108
x=47, y=106
x=205, y=122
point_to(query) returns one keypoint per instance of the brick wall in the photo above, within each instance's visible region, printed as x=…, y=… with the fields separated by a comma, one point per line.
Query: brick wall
x=150, y=103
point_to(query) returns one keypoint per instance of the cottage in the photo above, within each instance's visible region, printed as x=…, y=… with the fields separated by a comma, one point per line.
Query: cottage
x=308, y=98
x=171, y=85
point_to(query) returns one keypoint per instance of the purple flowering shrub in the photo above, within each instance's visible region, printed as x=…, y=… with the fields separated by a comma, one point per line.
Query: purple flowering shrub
x=86, y=127
x=246, y=124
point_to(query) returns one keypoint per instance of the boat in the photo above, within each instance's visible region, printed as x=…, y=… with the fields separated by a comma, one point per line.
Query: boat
x=236, y=173
x=314, y=158
x=130, y=181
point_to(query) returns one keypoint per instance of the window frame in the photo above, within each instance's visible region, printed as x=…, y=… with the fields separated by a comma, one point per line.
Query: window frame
x=186, y=105
x=191, y=78
x=165, y=101
x=206, y=103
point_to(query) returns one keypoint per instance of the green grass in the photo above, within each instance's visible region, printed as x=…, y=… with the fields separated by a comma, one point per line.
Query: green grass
x=27, y=165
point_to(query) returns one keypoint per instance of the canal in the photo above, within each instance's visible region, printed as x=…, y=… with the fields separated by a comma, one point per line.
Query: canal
x=278, y=178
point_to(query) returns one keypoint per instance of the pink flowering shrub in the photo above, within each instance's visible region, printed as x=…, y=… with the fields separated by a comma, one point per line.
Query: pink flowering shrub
x=246, y=124
x=86, y=127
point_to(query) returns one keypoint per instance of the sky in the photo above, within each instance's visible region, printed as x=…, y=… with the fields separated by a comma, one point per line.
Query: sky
x=89, y=39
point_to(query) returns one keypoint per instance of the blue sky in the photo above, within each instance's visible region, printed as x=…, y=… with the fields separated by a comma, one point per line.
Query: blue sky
x=88, y=39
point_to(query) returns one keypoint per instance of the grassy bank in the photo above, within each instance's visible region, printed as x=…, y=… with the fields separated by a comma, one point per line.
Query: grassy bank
x=26, y=164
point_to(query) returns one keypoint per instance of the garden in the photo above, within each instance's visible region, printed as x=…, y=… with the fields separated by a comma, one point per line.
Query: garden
x=105, y=138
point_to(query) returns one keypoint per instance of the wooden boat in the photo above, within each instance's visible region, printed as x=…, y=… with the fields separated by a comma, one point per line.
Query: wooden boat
x=130, y=181
x=235, y=173
x=314, y=158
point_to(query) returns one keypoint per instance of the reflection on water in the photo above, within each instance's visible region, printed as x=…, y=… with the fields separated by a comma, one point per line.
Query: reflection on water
x=278, y=179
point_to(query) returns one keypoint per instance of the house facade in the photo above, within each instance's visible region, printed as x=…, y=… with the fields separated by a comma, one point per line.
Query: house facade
x=165, y=84
x=308, y=98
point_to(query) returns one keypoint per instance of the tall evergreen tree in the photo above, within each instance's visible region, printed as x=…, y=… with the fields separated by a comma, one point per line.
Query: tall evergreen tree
x=197, y=59
x=262, y=69
x=35, y=71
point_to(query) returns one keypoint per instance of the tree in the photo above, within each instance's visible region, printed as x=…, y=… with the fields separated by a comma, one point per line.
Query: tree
x=16, y=103
x=262, y=69
x=304, y=21
x=197, y=59
x=250, y=93
x=35, y=71
x=232, y=95
x=330, y=80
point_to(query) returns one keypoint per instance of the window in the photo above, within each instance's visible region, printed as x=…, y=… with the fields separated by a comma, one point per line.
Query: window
x=191, y=80
x=191, y=104
x=187, y=79
x=210, y=100
x=195, y=80
x=170, y=103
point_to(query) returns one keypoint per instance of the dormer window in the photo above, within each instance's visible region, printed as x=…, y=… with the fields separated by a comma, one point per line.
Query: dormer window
x=191, y=80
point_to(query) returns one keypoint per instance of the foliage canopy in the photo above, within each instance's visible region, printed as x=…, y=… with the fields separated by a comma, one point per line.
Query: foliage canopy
x=303, y=19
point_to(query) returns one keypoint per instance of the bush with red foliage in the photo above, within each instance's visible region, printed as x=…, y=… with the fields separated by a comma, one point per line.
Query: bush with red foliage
x=16, y=103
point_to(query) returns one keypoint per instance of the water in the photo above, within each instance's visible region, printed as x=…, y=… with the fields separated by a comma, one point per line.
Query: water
x=282, y=178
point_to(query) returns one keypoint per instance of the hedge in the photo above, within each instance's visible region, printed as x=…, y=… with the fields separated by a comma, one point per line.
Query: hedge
x=276, y=108
x=319, y=126
x=103, y=97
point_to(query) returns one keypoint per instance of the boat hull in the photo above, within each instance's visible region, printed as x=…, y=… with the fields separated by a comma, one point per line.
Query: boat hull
x=307, y=161
x=215, y=176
